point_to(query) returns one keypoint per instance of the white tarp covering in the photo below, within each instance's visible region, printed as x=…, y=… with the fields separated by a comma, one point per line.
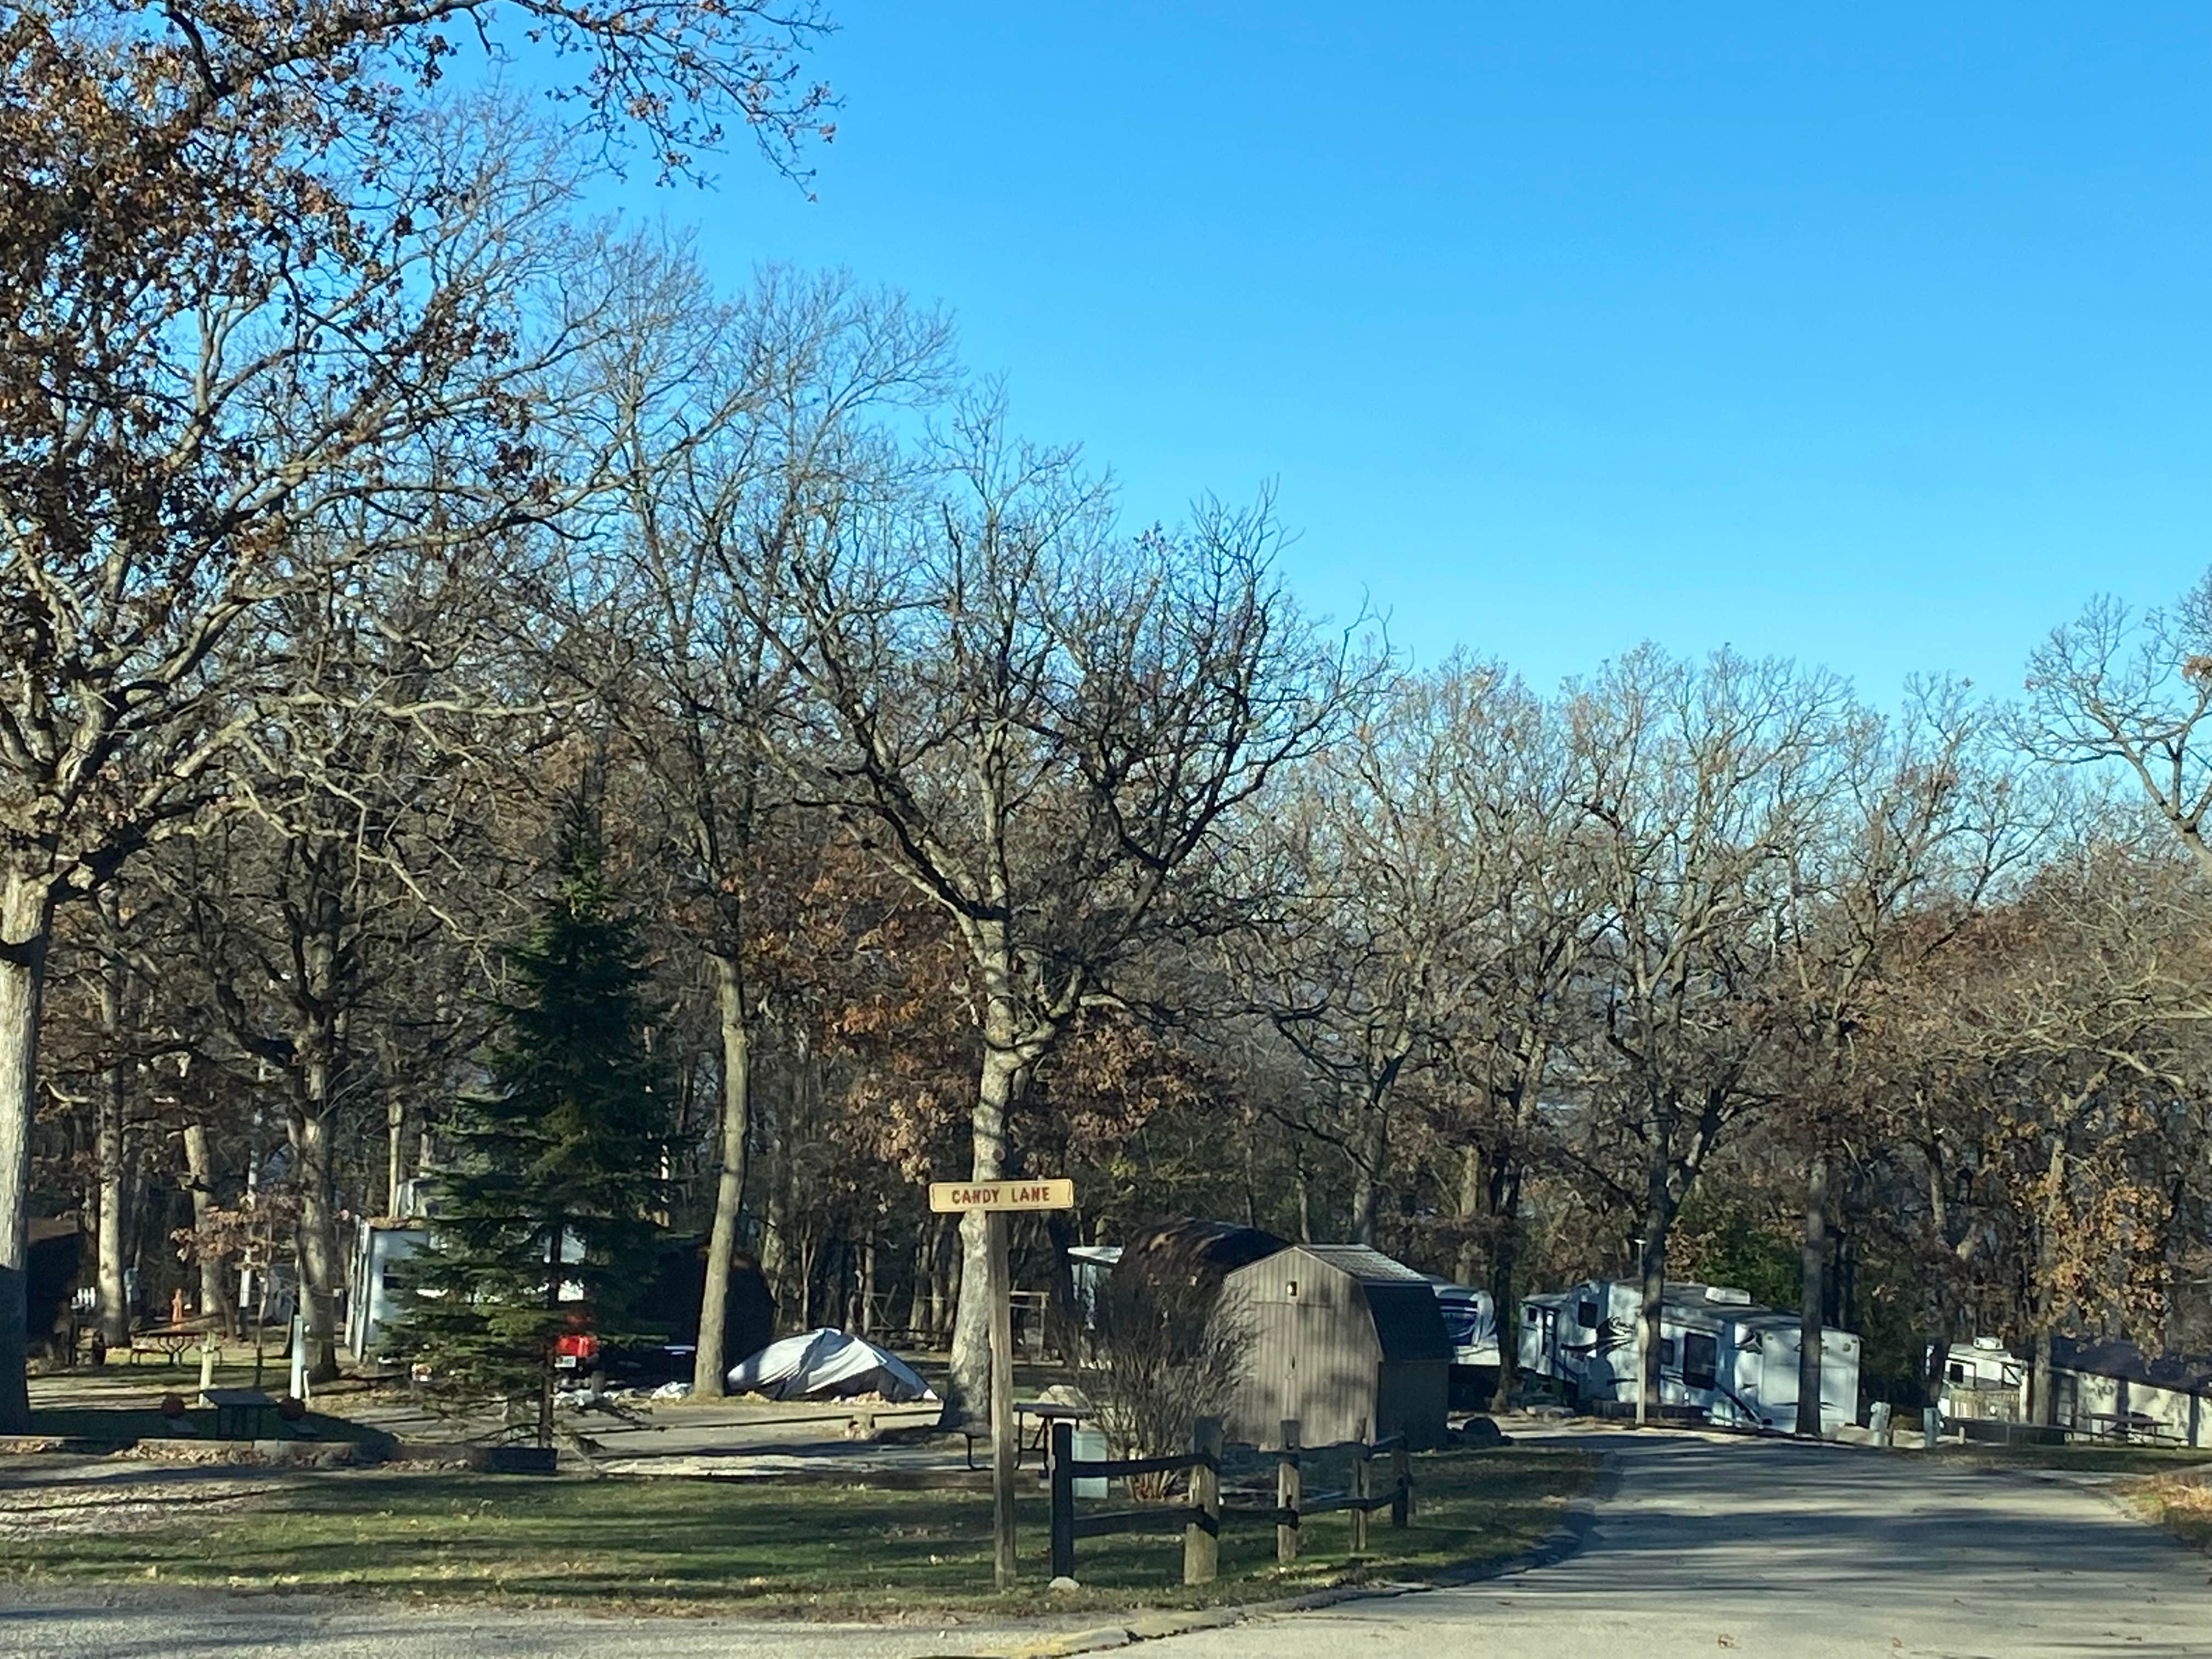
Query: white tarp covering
x=827, y=1365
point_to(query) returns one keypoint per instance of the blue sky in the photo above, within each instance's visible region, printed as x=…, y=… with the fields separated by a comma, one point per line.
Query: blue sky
x=1876, y=336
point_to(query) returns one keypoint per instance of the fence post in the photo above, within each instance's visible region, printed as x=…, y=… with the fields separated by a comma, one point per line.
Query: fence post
x=1361, y=1462
x=1402, y=1472
x=1063, y=1501
x=1288, y=1497
x=1201, y=1533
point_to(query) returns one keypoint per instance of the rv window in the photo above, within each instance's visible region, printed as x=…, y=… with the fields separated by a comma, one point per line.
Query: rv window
x=1666, y=1353
x=1955, y=1372
x=1701, y=1361
x=1586, y=1315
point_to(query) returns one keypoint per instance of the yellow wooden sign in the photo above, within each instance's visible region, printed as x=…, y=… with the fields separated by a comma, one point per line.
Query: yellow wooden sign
x=948, y=1197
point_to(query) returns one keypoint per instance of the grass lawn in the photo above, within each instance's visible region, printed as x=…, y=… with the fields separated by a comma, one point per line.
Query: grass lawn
x=665, y=1545
x=2089, y=1459
x=2183, y=1506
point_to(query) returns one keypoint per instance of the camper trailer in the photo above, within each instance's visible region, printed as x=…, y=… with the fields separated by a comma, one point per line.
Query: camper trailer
x=1983, y=1382
x=380, y=1243
x=1719, y=1353
x=1470, y=1321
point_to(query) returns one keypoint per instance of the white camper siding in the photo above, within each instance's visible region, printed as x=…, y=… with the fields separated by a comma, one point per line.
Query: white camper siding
x=1778, y=1346
x=2092, y=1406
x=1983, y=1382
x=379, y=1246
x=1537, y=1342
x=1745, y=1378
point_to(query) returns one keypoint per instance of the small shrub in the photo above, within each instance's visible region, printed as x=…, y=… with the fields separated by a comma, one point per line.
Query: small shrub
x=1164, y=1356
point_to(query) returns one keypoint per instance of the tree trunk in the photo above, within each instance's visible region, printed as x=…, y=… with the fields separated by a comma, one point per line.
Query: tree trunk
x=917, y=1302
x=395, y=1160
x=1305, y=1195
x=314, y=1246
x=968, y=1388
x=2044, y=1407
x=214, y=1293
x=1067, y=1319
x=26, y=924
x=709, y=1365
x=316, y=1034
x=1812, y=1305
x=945, y=1278
x=1504, y=1260
x=809, y=1258
x=1469, y=1209
x=1652, y=1262
x=775, y=1243
x=1363, y=1204
x=1934, y=1357
x=554, y=1248
x=1251, y=1176
x=1367, y=1173
x=114, y=1171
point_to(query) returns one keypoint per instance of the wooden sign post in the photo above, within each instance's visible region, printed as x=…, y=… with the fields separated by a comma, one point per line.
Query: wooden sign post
x=996, y=1199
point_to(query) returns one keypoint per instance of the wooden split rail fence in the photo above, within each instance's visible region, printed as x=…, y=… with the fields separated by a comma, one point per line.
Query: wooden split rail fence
x=1199, y=1517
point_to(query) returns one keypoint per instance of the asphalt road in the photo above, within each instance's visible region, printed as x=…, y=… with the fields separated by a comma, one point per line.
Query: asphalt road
x=1764, y=1548
x=1702, y=1547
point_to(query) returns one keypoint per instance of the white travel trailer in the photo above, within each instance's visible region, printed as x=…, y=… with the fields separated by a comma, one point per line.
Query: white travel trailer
x=380, y=1243
x=1982, y=1380
x=1470, y=1321
x=1718, y=1353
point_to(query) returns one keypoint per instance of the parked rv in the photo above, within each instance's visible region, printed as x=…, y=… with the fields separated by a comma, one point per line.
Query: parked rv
x=1720, y=1354
x=1470, y=1318
x=1983, y=1382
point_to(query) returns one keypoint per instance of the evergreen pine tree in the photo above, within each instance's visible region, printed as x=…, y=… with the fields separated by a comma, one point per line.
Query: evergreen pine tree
x=555, y=1170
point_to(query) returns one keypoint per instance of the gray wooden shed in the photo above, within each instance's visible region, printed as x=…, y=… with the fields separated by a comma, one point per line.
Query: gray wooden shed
x=1346, y=1341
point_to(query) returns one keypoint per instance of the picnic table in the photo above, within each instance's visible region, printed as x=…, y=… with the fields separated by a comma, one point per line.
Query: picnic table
x=241, y=1414
x=2130, y=1425
x=1041, y=1412
x=1044, y=1413
x=169, y=1340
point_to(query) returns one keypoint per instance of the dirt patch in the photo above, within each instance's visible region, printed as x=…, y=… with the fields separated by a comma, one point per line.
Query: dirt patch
x=123, y=1502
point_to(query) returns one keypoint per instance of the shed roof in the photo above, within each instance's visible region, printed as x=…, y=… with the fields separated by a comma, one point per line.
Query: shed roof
x=2184, y=1373
x=1192, y=1252
x=1368, y=1265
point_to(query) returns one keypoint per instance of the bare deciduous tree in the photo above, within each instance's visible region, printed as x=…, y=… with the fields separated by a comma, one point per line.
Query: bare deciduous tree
x=233, y=299
x=722, y=423
x=1041, y=725
x=1697, y=784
